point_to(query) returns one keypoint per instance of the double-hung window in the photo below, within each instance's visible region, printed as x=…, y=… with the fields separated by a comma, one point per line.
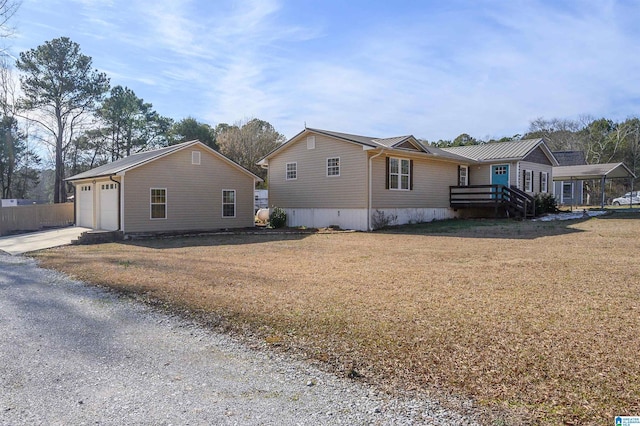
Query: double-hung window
x=544, y=182
x=228, y=203
x=292, y=171
x=463, y=176
x=158, y=203
x=333, y=166
x=399, y=173
x=528, y=180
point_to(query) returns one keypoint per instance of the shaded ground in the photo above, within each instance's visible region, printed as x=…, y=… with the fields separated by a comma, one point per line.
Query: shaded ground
x=537, y=321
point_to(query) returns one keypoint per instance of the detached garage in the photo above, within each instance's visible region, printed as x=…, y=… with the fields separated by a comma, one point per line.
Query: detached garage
x=183, y=187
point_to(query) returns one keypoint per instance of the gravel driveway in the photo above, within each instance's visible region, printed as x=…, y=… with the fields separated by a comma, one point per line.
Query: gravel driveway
x=75, y=354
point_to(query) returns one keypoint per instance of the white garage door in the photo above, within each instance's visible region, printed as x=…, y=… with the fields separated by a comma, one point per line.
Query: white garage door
x=108, y=206
x=84, y=198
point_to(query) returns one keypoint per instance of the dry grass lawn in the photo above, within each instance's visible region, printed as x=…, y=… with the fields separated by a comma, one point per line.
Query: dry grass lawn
x=538, y=322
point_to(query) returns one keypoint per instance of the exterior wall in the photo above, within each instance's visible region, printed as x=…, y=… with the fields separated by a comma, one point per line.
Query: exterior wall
x=536, y=168
x=313, y=188
x=537, y=156
x=431, y=181
x=322, y=218
x=575, y=198
x=194, y=193
x=481, y=174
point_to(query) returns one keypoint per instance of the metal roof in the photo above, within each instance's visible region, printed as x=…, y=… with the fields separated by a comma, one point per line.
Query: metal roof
x=592, y=171
x=496, y=151
x=137, y=159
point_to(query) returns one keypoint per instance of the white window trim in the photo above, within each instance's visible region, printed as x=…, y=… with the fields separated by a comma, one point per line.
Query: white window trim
x=400, y=174
x=338, y=166
x=234, y=203
x=544, y=188
x=151, y=204
x=528, y=187
x=466, y=176
x=195, y=158
x=286, y=170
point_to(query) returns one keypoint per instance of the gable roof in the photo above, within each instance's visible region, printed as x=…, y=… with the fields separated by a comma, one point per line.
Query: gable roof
x=570, y=158
x=140, y=158
x=592, y=171
x=501, y=151
x=398, y=143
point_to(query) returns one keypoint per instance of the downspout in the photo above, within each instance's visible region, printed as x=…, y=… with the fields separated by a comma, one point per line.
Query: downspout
x=118, y=186
x=75, y=200
x=370, y=188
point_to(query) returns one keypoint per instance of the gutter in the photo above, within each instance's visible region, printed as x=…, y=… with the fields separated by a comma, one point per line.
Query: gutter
x=370, y=187
x=118, y=185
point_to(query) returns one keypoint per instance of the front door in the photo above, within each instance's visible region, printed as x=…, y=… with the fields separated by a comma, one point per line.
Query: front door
x=499, y=176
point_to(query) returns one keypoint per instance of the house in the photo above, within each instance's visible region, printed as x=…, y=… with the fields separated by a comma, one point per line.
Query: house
x=183, y=187
x=323, y=178
x=569, y=192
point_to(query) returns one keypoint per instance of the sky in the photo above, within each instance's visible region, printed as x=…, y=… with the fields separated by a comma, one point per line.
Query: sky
x=432, y=69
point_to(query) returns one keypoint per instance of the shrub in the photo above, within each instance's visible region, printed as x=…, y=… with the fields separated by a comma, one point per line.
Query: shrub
x=381, y=220
x=545, y=203
x=277, y=217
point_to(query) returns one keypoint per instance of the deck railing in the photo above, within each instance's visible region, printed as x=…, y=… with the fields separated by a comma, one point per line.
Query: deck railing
x=497, y=197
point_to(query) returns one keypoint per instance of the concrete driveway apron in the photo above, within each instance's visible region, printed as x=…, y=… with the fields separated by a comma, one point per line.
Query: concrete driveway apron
x=24, y=243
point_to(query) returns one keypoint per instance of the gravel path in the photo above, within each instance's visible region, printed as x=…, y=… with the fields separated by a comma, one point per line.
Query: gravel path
x=75, y=354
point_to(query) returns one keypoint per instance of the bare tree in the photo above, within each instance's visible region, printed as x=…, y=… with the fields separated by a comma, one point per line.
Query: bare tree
x=246, y=142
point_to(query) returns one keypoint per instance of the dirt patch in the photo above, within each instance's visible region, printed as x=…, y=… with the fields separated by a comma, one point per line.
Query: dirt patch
x=536, y=321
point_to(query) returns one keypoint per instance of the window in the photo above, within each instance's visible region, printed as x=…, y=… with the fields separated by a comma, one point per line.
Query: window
x=528, y=181
x=567, y=192
x=544, y=179
x=311, y=142
x=399, y=173
x=195, y=158
x=333, y=166
x=228, y=203
x=292, y=171
x=500, y=170
x=158, y=203
x=463, y=176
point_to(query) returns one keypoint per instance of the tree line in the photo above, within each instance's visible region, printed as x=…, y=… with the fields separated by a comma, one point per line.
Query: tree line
x=70, y=108
x=600, y=139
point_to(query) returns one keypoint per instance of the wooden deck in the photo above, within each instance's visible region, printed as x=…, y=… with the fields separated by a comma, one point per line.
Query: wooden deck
x=499, y=198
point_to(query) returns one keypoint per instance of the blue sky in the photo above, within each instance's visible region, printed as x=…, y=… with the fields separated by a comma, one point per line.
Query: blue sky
x=434, y=69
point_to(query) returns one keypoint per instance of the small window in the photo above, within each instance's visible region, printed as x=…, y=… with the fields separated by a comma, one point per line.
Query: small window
x=311, y=142
x=292, y=171
x=544, y=179
x=195, y=157
x=158, y=203
x=463, y=176
x=528, y=180
x=228, y=203
x=399, y=173
x=333, y=166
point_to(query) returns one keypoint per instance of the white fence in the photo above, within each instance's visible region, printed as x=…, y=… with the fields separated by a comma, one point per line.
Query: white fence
x=35, y=217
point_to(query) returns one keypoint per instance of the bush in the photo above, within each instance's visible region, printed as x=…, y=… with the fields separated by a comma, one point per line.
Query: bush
x=545, y=203
x=277, y=218
x=380, y=220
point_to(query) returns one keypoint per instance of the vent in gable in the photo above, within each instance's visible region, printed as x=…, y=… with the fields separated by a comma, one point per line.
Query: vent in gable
x=195, y=157
x=311, y=142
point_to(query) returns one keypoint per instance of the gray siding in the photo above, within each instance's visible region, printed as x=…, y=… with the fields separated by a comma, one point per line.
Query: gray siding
x=536, y=168
x=313, y=188
x=194, y=193
x=537, y=156
x=431, y=181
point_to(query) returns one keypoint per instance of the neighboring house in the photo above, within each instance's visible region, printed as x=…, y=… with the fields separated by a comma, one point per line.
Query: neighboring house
x=183, y=187
x=569, y=192
x=322, y=178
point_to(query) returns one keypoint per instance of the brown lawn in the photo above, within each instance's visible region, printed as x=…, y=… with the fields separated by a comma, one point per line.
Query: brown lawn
x=538, y=322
